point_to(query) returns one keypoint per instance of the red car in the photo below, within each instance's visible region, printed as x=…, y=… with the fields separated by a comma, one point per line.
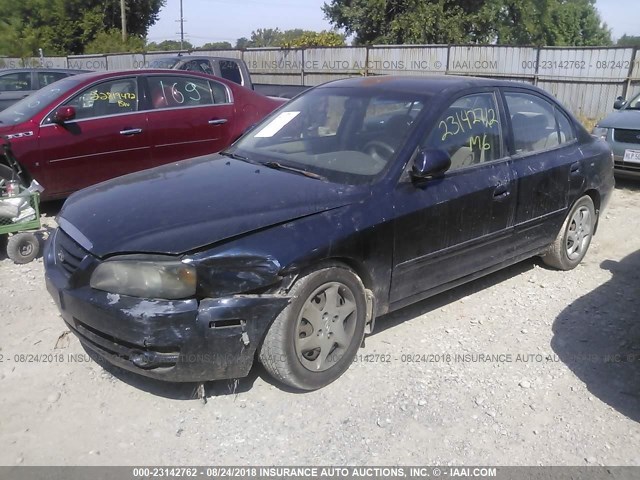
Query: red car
x=95, y=126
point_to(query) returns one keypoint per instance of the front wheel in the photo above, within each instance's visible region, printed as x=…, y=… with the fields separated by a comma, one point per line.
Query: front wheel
x=315, y=338
x=574, y=238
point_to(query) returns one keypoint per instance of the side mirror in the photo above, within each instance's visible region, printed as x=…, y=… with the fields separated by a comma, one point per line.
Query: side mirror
x=64, y=114
x=430, y=164
x=619, y=103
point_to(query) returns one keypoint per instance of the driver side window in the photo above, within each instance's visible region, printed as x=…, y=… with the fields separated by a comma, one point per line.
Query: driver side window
x=469, y=131
x=108, y=98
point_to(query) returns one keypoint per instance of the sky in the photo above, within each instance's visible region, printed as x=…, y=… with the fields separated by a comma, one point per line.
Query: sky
x=228, y=20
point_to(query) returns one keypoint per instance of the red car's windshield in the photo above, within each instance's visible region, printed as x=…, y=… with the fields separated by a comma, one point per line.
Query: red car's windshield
x=29, y=106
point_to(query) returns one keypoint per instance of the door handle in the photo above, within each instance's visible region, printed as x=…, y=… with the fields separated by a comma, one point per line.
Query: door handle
x=575, y=167
x=218, y=121
x=501, y=191
x=131, y=131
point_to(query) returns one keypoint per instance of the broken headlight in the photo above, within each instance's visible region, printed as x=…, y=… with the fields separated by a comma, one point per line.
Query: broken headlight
x=170, y=280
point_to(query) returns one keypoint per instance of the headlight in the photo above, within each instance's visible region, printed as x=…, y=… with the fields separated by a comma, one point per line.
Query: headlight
x=169, y=280
x=600, y=132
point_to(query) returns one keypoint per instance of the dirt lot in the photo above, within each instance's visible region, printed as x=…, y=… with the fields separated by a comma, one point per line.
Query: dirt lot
x=528, y=366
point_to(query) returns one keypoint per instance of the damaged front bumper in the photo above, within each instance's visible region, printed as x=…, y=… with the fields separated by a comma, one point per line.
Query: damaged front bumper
x=177, y=340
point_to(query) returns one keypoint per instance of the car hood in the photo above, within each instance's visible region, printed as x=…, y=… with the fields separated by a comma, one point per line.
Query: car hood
x=191, y=204
x=627, y=119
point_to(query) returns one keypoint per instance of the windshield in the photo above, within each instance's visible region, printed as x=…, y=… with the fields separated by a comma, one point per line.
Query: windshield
x=633, y=104
x=346, y=135
x=164, y=63
x=29, y=106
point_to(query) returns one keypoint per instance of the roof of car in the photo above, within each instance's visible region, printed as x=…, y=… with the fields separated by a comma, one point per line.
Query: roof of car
x=421, y=84
x=41, y=69
x=146, y=71
x=193, y=57
x=86, y=78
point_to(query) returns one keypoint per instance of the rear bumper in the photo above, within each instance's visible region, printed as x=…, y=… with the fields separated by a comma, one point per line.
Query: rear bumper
x=179, y=341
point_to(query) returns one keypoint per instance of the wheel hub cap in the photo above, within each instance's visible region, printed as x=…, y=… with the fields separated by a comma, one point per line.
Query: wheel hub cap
x=325, y=326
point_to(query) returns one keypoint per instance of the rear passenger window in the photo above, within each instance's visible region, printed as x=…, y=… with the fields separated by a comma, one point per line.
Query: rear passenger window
x=175, y=92
x=46, y=78
x=230, y=70
x=469, y=131
x=537, y=125
x=15, y=82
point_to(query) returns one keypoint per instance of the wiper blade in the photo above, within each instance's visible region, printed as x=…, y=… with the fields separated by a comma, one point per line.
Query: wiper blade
x=235, y=156
x=280, y=166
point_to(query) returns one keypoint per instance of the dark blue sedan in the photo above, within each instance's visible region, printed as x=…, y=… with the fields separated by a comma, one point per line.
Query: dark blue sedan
x=355, y=199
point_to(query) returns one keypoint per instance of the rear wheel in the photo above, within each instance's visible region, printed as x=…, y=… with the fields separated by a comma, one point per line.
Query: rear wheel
x=315, y=338
x=574, y=238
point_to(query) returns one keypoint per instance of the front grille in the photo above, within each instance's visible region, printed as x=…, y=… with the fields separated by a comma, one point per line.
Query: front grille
x=626, y=136
x=627, y=167
x=69, y=254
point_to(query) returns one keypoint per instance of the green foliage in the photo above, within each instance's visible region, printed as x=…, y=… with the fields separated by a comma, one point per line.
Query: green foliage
x=169, y=45
x=517, y=22
x=216, y=45
x=294, y=38
x=629, y=41
x=141, y=14
x=111, y=42
x=242, y=42
x=315, y=39
x=266, y=37
x=62, y=27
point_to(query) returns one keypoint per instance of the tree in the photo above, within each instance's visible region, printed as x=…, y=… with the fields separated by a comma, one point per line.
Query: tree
x=551, y=22
x=294, y=38
x=308, y=39
x=169, y=45
x=629, y=41
x=266, y=37
x=141, y=14
x=111, y=42
x=518, y=22
x=216, y=45
x=242, y=42
x=66, y=26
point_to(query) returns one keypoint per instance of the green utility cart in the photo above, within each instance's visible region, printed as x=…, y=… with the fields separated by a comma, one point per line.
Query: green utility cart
x=19, y=213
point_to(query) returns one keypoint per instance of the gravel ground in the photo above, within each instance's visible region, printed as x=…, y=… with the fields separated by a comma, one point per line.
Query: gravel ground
x=528, y=366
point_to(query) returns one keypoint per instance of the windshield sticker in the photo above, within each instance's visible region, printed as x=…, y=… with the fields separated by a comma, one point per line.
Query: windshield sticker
x=276, y=124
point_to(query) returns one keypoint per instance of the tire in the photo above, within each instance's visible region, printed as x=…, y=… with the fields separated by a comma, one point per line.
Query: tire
x=328, y=308
x=574, y=238
x=23, y=247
